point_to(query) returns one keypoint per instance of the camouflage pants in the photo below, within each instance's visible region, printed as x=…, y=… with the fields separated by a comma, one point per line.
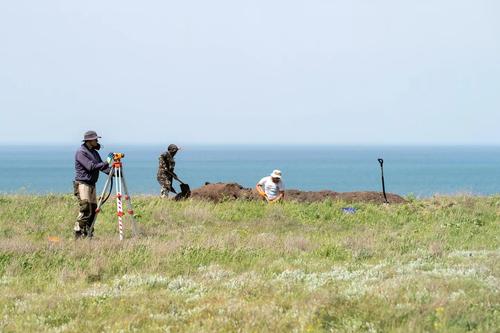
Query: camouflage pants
x=87, y=200
x=165, y=184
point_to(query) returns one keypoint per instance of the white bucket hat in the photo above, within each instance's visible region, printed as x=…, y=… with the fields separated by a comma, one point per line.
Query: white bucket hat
x=276, y=174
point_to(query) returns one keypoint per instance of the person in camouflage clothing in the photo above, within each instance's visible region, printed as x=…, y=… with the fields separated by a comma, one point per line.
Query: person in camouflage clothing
x=166, y=170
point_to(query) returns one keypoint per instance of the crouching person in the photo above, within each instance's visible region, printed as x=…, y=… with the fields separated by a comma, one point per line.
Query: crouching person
x=88, y=164
x=271, y=188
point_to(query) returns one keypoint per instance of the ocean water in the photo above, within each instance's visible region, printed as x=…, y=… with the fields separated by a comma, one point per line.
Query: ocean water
x=420, y=171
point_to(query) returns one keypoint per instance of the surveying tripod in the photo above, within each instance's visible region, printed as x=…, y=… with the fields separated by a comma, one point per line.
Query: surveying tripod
x=121, y=187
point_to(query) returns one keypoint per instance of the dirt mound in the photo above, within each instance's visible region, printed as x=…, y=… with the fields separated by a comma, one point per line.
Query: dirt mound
x=222, y=191
x=302, y=196
x=219, y=192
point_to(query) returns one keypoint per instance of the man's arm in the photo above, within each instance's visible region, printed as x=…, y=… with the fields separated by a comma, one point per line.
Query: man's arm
x=108, y=170
x=170, y=168
x=279, y=197
x=89, y=164
x=260, y=188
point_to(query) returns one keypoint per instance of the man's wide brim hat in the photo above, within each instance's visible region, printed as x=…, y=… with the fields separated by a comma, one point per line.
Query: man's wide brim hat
x=276, y=174
x=90, y=135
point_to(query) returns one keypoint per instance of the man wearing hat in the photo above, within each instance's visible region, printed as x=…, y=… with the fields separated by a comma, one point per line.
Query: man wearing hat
x=271, y=188
x=166, y=170
x=88, y=164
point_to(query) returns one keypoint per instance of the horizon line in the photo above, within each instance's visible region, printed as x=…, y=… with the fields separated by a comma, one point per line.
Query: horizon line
x=281, y=144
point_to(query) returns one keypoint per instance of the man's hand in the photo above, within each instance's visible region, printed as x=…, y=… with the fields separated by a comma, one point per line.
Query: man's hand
x=109, y=159
x=277, y=199
x=260, y=191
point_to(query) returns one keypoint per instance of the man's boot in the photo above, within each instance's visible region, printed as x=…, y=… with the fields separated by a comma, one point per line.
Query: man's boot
x=89, y=230
x=78, y=231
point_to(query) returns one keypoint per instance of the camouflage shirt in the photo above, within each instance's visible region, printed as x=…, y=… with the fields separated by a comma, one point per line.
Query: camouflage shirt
x=166, y=163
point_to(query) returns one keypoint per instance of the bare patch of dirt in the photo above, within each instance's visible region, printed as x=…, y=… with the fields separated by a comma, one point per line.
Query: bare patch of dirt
x=231, y=191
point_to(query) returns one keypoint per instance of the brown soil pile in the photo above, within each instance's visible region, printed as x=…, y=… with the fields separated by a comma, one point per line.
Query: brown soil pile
x=218, y=192
x=221, y=191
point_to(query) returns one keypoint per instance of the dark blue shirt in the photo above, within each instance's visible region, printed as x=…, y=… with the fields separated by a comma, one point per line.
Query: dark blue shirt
x=88, y=163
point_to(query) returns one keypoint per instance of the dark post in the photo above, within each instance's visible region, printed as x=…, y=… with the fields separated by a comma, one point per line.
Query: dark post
x=381, y=161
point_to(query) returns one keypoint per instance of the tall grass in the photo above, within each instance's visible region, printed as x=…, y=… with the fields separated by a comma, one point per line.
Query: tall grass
x=426, y=266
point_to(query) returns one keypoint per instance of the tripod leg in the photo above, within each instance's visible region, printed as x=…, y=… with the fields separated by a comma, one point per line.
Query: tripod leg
x=119, y=207
x=101, y=198
x=130, y=208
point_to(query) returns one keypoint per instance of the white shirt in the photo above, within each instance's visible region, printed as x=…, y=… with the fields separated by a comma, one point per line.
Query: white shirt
x=271, y=189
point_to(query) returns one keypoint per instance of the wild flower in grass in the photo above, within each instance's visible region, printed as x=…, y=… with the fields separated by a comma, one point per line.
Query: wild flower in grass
x=439, y=318
x=179, y=285
x=476, y=254
x=410, y=267
x=130, y=281
x=456, y=295
x=186, y=287
x=214, y=272
x=178, y=314
x=245, y=280
x=342, y=274
x=355, y=290
x=314, y=280
x=350, y=324
x=376, y=280
x=404, y=306
x=121, y=286
x=493, y=283
x=291, y=275
x=421, y=296
x=452, y=272
x=102, y=291
x=370, y=327
x=5, y=280
x=21, y=305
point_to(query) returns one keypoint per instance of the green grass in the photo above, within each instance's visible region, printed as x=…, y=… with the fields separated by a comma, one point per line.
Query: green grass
x=426, y=266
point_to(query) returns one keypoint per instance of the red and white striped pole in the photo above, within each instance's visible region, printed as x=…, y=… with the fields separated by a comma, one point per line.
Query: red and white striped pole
x=119, y=206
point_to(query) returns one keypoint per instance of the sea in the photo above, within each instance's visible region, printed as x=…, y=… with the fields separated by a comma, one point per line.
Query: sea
x=419, y=171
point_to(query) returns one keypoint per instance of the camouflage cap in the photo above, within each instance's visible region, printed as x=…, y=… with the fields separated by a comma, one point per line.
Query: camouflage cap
x=172, y=147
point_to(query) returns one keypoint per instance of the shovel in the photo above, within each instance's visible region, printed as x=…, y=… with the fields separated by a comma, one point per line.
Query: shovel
x=381, y=161
x=185, y=189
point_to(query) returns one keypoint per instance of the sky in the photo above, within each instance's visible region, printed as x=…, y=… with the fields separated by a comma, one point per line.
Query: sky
x=357, y=72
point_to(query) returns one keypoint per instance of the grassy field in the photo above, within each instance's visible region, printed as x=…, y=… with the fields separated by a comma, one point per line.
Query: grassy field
x=426, y=266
